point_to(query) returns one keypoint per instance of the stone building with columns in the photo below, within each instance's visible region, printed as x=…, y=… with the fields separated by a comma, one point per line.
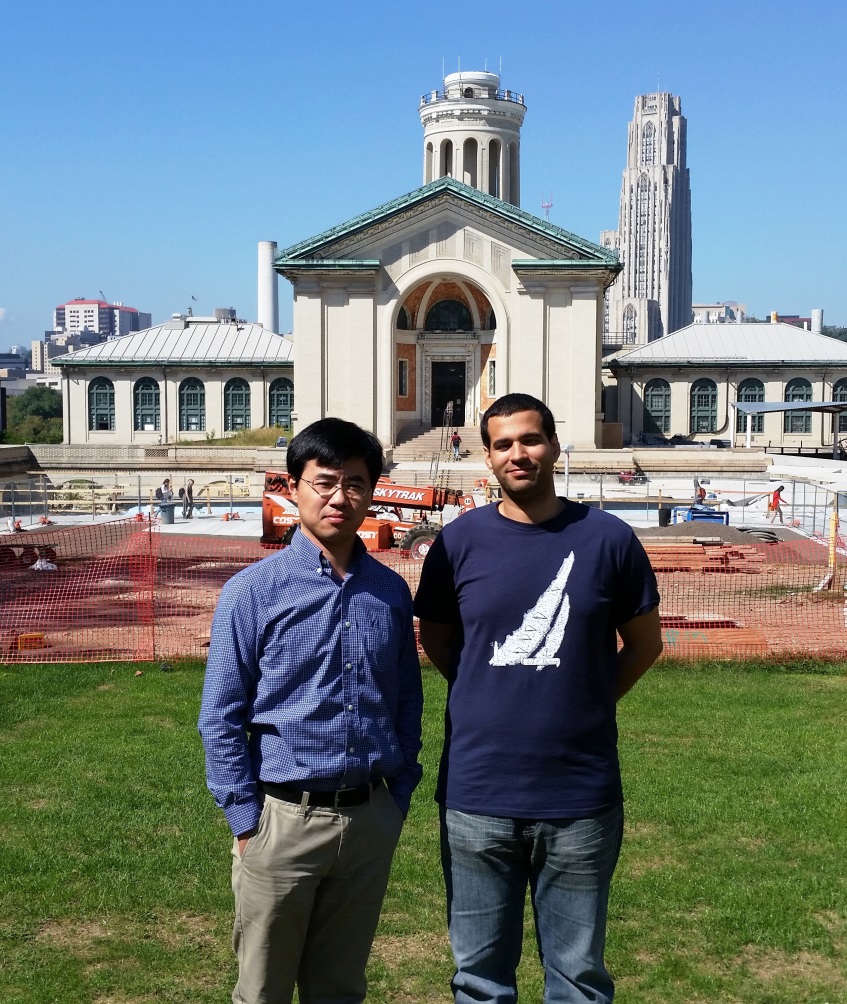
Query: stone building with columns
x=451, y=295
x=189, y=379
x=685, y=385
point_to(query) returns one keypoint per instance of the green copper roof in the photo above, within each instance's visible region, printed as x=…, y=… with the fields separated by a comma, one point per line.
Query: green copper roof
x=307, y=249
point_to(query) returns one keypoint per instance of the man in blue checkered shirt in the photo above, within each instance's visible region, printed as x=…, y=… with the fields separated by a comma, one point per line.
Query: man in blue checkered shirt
x=311, y=722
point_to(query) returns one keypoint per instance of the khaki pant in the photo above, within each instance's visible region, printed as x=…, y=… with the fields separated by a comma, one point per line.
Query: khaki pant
x=308, y=892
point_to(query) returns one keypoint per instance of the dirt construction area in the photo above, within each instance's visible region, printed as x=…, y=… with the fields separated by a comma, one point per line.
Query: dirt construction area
x=119, y=591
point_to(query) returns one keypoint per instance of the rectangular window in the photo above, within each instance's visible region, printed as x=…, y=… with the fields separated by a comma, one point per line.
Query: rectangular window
x=492, y=379
x=402, y=377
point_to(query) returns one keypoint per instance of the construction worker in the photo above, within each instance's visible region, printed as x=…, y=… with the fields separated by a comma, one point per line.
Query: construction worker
x=775, y=505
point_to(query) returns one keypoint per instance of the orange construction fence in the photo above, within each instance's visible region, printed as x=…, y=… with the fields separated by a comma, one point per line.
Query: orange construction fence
x=121, y=590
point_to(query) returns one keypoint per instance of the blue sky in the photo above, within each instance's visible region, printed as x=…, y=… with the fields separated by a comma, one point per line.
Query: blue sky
x=147, y=147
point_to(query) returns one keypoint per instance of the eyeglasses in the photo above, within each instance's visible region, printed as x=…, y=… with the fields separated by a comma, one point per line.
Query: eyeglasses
x=327, y=487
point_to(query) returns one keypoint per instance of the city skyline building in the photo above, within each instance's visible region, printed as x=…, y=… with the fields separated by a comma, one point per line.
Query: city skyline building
x=653, y=294
x=106, y=319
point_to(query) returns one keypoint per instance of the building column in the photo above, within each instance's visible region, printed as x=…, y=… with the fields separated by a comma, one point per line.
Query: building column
x=309, y=355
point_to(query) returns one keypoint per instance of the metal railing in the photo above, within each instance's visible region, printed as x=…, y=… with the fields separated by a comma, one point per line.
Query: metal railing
x=478, y=93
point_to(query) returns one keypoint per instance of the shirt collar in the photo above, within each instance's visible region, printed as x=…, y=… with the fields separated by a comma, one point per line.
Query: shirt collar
x=313, y=557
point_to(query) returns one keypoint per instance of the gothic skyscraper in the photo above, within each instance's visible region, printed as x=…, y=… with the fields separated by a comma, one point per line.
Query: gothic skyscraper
x=652, y=296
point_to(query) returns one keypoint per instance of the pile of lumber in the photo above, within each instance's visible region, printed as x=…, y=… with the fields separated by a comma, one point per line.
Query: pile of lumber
x=679, y=556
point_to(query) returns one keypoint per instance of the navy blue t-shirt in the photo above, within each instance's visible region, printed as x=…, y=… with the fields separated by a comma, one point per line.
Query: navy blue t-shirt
x=530, y=728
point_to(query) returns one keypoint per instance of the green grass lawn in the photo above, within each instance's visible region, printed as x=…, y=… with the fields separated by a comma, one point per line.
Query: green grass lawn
x=114, y=866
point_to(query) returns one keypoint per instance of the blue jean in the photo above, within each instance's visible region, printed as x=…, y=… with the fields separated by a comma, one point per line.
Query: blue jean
x=568, y=865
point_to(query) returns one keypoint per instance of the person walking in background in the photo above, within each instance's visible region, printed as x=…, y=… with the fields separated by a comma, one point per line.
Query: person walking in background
x=775, y=505
x=456, y=443
x=188, y=499
x=165, y=493
x=521, y=606
x=311, y=722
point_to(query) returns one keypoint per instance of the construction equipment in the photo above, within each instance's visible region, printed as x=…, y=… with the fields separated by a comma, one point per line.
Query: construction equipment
x=409, y=517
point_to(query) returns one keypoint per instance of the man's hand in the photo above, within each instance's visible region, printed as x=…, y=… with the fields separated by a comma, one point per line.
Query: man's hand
x=243, y=840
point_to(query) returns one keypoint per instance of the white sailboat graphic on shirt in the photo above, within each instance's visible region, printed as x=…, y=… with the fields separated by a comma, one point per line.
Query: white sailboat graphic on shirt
x=537, y=640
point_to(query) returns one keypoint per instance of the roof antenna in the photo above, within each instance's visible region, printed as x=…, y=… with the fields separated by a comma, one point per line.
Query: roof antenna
x=547, y=206
x=442, y=73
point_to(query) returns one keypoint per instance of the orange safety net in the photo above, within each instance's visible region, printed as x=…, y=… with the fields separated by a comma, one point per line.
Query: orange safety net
x=124, y=591
x=77, y=594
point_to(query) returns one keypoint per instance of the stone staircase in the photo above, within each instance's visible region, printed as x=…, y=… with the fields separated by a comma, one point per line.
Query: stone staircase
x=420, y=442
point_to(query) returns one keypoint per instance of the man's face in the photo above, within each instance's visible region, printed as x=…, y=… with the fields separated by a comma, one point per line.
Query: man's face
x=333, y=521
x=521, y=456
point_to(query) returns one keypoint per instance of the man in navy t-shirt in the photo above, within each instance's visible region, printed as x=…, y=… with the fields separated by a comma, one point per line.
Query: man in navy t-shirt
x=521, y=606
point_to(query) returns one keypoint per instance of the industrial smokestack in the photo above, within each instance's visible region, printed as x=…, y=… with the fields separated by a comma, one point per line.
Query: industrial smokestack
x=268, y=290
x=817, y=321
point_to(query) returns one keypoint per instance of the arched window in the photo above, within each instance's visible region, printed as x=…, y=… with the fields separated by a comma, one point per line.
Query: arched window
x=492, y=321
x=839, y=393
x=704, y=406
x=402, y=319
x=236, y=405
x=447, y=159
x=648, y=145
x=750, y=390
x=428, y=163
x=281, y=402
x=470, y=156
x=468, y=92
x=657, y=406
x=101, y=405
x=494, y=168
x=449, y=315
x=798, y=423
x=629, y=321
x=145, y=405
x=192, y=405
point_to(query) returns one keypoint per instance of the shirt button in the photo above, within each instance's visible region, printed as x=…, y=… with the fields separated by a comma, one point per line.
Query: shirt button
x=343, y=786
x=349, y=707
x=352, y=749
x=349, y=665
x=347, y=624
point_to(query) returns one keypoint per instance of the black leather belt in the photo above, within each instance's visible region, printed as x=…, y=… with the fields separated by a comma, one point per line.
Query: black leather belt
x=340, y=799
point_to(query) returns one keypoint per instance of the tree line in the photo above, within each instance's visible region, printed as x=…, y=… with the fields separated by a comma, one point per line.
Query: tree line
x=33, y=417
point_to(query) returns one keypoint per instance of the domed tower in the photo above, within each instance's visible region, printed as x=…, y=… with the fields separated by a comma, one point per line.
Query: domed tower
x=472, y=132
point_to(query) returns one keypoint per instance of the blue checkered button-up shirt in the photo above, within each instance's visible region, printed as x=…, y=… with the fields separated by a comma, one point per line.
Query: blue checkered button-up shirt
x=311, y=681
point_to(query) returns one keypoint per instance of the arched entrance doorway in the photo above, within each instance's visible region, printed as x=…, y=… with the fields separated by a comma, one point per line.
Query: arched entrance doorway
x=445, y=339
x=448, y=392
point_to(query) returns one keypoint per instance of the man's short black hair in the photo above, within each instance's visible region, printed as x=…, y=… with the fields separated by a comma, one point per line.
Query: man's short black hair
x=511, y=404
x=331, y=442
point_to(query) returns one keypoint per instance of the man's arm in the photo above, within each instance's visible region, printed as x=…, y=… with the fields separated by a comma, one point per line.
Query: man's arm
x=408, y=721
x=231, y=674
x=642, y=646
x=439, y=641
